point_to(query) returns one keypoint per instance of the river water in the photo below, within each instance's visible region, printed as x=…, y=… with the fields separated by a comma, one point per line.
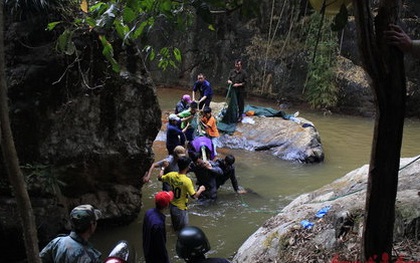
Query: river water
x=347, y=144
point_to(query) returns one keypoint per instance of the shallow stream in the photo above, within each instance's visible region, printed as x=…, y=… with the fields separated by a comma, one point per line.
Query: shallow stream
x=347, y=144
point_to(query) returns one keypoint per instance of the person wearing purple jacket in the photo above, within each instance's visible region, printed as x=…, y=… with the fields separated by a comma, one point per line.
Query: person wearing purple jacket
x=154, y=230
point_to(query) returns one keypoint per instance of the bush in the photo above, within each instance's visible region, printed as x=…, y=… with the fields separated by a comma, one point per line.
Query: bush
x=321, y=88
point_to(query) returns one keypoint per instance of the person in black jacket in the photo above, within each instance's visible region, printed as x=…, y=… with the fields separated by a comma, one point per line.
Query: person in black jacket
x=228, y=169
x=206, y=173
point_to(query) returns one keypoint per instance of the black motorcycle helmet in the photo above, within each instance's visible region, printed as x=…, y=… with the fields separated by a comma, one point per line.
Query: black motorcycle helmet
x=191, y=243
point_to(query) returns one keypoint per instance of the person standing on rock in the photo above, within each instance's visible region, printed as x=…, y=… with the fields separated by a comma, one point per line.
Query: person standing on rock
x=237, y=79
x=206, y=92
x=154, y=230
x=75, y=247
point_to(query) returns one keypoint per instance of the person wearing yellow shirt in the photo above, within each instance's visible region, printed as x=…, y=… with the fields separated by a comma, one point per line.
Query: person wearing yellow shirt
x=182, y=187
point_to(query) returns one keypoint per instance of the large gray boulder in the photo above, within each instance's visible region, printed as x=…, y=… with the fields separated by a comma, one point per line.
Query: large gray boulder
x=284, y=237
x=295, y=139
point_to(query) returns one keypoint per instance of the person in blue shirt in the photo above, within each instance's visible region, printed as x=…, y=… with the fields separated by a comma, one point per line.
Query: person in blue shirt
x=75, y=247
x=205, y=90
x=174, y=135
x=154, y=230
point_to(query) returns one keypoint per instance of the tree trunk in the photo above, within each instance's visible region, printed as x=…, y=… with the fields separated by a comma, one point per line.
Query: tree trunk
x=12, y=162
x=385, y=65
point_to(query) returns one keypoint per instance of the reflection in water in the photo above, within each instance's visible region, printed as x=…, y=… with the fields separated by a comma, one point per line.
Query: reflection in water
x=274, y=182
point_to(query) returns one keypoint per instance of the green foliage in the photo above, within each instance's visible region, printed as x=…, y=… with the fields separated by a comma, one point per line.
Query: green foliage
x=321, y=89
x=108, y=52
x=43, y=175
x=126, y=21
x=65, y=43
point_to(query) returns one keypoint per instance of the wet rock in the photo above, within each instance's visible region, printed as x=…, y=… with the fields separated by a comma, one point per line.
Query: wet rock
x=338, y=233
x=296, y=139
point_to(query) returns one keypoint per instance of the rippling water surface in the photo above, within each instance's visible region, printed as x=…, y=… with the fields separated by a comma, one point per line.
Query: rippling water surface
x=346, y=141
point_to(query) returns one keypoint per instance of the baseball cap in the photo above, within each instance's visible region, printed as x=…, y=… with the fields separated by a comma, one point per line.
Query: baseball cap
x=84, y=214
x=179, y=151
x=187, y=98
x=163, y=198
x=173, y=117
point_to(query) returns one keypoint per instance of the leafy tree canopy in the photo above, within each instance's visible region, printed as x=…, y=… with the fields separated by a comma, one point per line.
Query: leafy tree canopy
x=128, y=21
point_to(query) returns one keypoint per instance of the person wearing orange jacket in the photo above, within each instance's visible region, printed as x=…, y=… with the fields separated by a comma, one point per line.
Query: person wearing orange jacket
x=208, y=121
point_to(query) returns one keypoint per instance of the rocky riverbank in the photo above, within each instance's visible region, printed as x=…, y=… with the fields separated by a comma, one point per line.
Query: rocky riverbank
x=299, y=234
